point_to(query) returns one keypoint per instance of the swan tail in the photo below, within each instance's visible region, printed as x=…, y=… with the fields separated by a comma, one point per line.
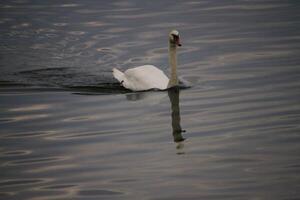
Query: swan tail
x=118, y=74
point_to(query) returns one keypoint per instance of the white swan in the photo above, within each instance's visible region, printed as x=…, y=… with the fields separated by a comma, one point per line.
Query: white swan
x=148, y=77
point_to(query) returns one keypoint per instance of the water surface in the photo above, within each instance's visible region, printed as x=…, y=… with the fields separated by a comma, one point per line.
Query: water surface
x=69, y=131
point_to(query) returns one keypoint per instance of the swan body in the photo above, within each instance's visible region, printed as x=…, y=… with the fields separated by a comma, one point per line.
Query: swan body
x=141, y=78
x=148, y=77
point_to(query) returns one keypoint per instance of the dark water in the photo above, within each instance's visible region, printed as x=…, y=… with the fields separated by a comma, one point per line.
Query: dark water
x=68, y=131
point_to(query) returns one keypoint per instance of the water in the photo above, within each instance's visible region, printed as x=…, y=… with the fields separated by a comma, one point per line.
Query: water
x=68, y=131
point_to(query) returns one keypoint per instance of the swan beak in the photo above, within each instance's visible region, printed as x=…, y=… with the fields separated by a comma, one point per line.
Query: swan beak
x=178, y=42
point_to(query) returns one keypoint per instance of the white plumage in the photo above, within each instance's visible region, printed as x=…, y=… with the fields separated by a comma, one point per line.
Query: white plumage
x=141, y=78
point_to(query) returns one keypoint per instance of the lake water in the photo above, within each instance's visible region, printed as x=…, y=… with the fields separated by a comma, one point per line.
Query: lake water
x=69, y=131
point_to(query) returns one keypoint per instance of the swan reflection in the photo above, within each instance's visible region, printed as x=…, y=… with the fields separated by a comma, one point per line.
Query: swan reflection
x=177, y=130
x=155, y=98
x=135, y=96
x=148, y=98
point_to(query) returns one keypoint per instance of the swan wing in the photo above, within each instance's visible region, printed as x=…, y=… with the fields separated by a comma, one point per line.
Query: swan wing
x=144, y=78
x=118, y=74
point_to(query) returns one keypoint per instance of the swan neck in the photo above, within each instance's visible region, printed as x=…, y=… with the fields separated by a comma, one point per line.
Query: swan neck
x=173, y=65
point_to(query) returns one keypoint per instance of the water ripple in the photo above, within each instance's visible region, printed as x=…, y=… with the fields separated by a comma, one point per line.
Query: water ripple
x=70, y=131
x=58, y=187
x=15, y=153
x=30, y=161
x=98, y=192
x=15, y=182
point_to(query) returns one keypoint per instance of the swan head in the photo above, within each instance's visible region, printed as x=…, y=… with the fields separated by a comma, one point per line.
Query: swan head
x=174, y=38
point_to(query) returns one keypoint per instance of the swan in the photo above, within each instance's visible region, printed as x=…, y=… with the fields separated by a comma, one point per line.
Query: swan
x=148, y=77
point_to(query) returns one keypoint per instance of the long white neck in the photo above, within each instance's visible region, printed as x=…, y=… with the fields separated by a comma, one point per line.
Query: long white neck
x=173, y=65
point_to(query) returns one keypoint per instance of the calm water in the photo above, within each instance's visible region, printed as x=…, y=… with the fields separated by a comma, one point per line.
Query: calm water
x=68, y=131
